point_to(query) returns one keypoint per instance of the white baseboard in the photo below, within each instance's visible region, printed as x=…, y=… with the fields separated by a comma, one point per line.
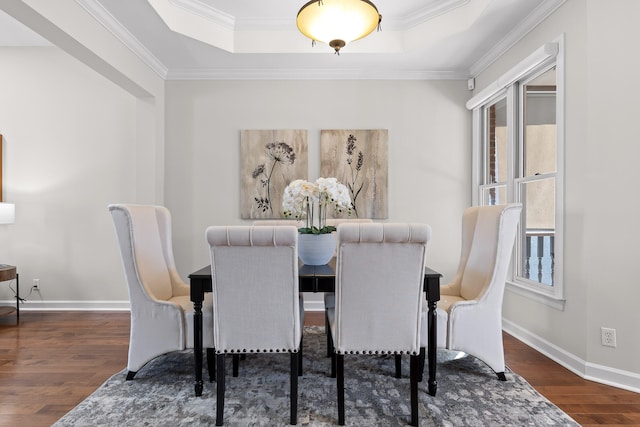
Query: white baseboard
x=314, y=305
x=107, y=305
x=613, y=377
x=589, y=371
x=71, y=305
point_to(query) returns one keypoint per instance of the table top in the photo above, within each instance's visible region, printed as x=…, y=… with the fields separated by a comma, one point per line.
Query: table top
x=304, y=270
x=327, y=270
x=7, y=272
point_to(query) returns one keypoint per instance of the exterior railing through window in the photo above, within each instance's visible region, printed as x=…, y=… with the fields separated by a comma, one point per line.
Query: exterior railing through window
x=539, y=256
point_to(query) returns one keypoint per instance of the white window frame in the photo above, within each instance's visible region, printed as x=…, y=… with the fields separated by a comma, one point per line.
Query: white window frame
x=551, y=54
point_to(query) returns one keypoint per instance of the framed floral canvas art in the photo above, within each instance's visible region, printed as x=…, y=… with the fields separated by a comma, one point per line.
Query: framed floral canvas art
x=270, y=159
x=358, y=159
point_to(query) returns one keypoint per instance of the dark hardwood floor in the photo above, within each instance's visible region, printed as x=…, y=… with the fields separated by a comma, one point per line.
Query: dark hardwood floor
x=51, y=361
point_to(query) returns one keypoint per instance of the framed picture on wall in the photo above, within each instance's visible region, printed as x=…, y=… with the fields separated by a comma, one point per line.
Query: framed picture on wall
x=359, y=160
x=270, y=160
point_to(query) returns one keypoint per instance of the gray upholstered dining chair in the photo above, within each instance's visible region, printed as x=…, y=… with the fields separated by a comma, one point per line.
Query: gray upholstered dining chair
x=469, y=313
x=262, y=222
x=268, y=223
x=335, y=222
x=161, y=309
x=257, y=306
x=330, y=297
x=378, y=298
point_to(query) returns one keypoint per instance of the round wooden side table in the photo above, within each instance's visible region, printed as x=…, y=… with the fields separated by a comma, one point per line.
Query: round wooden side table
x=9, y=272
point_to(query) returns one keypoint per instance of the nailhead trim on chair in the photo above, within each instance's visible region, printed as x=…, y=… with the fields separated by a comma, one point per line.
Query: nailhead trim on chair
x=284, y=350
x=379, y=352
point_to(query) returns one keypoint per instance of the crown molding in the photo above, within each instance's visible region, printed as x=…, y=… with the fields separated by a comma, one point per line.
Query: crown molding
x=96, y=10
x=206, y=11
x=202, y=9
x=311, y=74
x=530, y=22
x=427, y=13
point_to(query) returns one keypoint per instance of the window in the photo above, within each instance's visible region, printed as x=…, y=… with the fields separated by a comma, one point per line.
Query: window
x=495, y=158
x=517, y=138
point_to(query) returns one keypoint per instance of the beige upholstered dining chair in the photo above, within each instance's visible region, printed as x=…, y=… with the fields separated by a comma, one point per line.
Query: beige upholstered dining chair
x=161, y=310
x=257, y=306
x=469, y=313
x=378, y=298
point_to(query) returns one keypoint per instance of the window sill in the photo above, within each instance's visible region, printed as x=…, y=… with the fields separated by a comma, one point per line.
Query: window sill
x=537, y=295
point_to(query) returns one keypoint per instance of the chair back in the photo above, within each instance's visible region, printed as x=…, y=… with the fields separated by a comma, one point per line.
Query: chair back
x=254, y=273
x=337, y=221
x=144, y=237
x=379, y=287
x=488, y=234
x=263, y=222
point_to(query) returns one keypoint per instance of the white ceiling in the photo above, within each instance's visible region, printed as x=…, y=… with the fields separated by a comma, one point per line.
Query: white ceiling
x=244, y=39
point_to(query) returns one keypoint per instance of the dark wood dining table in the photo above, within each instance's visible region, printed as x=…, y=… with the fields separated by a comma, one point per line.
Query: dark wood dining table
x=314, y=278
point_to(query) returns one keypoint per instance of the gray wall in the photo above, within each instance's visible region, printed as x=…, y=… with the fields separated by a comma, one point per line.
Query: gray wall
x=600, y=168
x=429, y=153
x=69, y=150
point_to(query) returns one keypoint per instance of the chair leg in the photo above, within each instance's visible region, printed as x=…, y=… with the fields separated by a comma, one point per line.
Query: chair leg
x=220, y=390
x=333, y=356
x=300, y=357
x=236, y=364
x=327, y=330
x=211, y=364
x=333, y=365
x=398, y=366
x=131, y=374
x=294, y=389
x=340, y=383
x=423, y=354
x=415, y=371
x=501, y=376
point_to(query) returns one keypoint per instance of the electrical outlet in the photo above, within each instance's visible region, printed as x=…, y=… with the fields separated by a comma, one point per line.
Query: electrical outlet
x=608, y=337
x=36, y=284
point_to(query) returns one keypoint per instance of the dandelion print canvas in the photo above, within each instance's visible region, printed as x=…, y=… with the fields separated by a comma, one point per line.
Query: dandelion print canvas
x=358, y=158
x=270, y=159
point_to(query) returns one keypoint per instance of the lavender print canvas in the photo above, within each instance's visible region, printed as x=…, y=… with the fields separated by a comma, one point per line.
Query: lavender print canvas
x=358, y=159
x=270, y=159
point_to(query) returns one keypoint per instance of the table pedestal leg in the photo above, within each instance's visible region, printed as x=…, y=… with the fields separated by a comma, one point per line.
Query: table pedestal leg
x=431, y=347
x=197, y=346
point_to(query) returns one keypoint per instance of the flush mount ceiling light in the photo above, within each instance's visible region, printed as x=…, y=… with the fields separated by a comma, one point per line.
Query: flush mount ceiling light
x=338, y=22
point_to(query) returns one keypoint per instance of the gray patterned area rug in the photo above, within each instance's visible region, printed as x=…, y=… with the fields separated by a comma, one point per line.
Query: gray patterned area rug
x=162, y=394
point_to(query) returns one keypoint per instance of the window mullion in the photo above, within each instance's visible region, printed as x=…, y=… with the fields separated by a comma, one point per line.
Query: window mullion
x=478, y=164
x=512, y=139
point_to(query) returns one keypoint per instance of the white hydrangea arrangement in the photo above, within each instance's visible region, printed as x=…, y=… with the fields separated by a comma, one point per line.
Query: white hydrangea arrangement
x=312, y=200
